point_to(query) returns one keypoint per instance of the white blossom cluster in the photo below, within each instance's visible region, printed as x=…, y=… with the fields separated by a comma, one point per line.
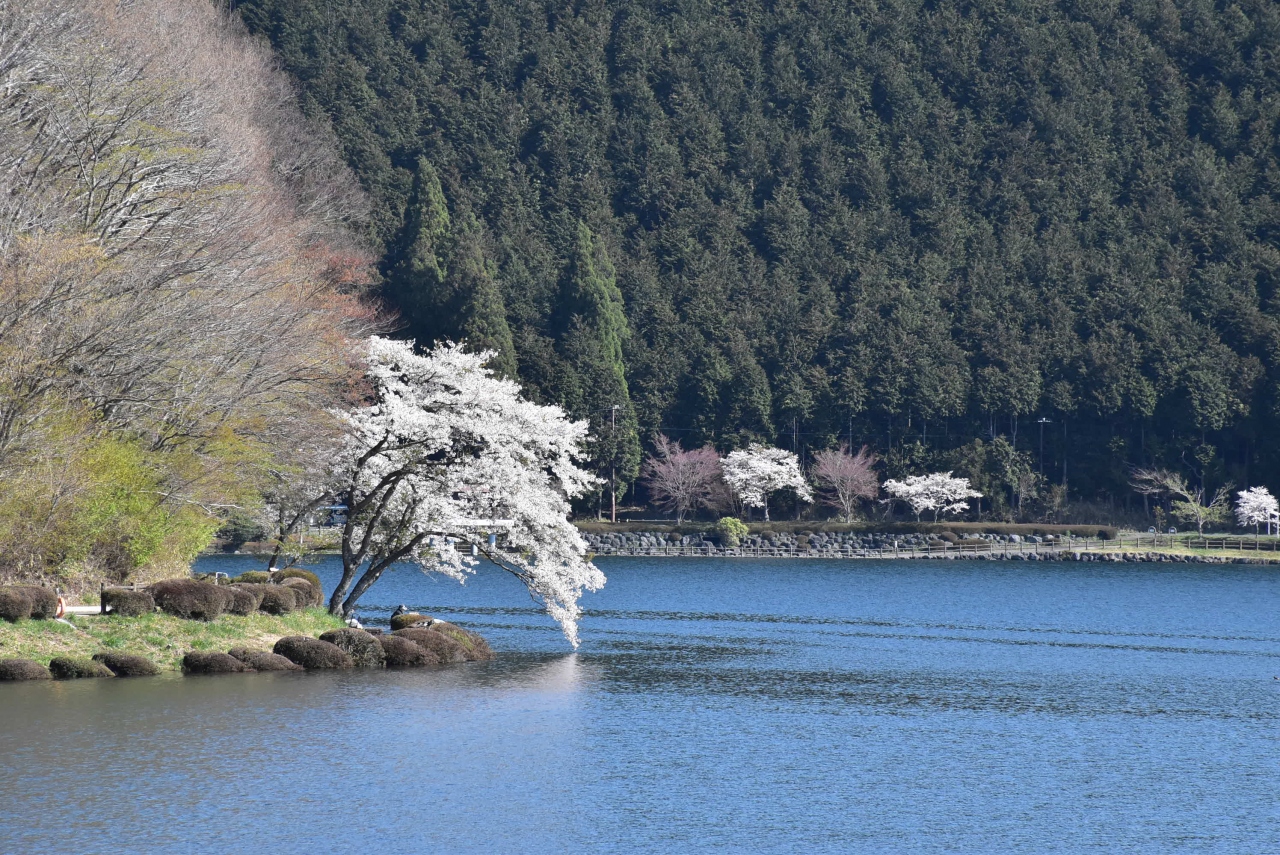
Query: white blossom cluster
x=937, y=492
x=758, y=470
x=1256, y=506
x=446, y=454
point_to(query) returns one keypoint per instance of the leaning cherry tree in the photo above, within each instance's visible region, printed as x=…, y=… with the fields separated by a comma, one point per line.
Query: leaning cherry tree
x=444, y=463
x=938, y=492
x=753, y=473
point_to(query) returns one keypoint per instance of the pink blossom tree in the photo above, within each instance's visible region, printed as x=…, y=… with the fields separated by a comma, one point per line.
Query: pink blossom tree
x=683, y=481
x=845, y=479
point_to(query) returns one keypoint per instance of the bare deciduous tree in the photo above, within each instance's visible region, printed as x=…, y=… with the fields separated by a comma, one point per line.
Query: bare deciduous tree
x=846, y=479
x=1187, y=502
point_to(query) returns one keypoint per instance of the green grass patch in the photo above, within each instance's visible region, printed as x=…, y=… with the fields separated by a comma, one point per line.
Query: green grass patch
x=159, y=637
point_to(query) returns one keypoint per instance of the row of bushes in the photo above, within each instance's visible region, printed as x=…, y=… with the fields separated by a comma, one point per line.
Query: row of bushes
x=197, y=599
x=960, y=529
x=105, y=664
x=22, y=602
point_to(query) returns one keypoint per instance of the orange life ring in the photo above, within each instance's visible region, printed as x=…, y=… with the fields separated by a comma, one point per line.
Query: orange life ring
x=62, y=607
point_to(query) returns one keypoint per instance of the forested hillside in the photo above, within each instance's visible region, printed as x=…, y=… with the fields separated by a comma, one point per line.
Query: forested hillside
x=920, y=225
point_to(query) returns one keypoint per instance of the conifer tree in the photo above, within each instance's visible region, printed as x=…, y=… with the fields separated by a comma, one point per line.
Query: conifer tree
x=417, y=281
x=482, y=321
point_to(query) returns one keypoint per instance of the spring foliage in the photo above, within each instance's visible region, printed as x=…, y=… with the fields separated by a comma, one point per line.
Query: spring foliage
x=444, y=453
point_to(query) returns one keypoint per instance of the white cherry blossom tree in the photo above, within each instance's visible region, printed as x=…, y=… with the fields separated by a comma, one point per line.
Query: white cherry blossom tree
x=937, y=492
x=753, y=473
x=1256, y=506
x=444, y=463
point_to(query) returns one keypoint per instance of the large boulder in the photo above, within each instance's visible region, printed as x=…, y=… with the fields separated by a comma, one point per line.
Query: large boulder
x=209, y=662
x=15, y=605
x=240, y=601
x=312, y=653
x=261, y=660
x=403, y=653
x=44, y=601
x=443, y=648
x=407, y=620
x=187, y=598
x=307, y=593
x=362, y=647
x=23, y=669
x=73, y=668
x=278, y=600
x=126, y=603
x=127, y=664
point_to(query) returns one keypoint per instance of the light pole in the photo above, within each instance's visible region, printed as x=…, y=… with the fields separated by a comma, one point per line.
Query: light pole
x=613, y=464
x=1042, y=422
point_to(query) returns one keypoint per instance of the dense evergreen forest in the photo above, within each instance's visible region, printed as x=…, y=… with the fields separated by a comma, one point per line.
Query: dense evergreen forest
x=925, y=225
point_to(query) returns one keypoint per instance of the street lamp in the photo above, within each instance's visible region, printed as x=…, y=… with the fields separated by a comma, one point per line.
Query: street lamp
x=1042, y=422
x=613, y=464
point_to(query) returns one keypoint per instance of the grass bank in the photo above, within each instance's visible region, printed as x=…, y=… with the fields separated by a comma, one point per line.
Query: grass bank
x=159, y=637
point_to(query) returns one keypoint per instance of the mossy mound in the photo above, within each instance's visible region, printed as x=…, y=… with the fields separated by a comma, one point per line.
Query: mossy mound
x=126, y=603
x=15, y=605
x=278, y=600
x=445, y=649
x=474, y=647
x=403, y=653
x=298, y=573
x=127, y=664
x=23, y=669
x=253, y=577
x=410, y=619
x=44, y=601
x=72, y=668
x=262, y=660
x=239, y=601
x=312, y=653
x=190, y=599
x=362, y=647
x=206, y=662
x=306, y=593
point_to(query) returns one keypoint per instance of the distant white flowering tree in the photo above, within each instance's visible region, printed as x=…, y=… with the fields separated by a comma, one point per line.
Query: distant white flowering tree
x=1256, y=506
x=937, y=492
x=443, y=454
x=753, y=473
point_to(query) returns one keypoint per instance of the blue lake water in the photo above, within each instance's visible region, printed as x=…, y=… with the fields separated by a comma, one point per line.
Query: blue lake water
x=714, y=705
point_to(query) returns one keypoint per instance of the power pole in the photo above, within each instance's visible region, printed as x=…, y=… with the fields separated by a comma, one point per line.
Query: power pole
x=1042, y=422
x=613, y=464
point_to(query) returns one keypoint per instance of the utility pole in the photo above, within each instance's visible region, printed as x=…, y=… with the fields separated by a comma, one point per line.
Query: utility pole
x=1042, y=422
x=613, y=464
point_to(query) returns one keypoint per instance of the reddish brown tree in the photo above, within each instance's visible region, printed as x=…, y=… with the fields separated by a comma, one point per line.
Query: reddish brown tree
x=684, y=481
x=845, y=479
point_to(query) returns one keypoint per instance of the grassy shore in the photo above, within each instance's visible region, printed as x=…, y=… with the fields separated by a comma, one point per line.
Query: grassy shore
x=161, y=638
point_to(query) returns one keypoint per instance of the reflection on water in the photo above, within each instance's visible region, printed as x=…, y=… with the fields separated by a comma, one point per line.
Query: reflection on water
x=754, y=706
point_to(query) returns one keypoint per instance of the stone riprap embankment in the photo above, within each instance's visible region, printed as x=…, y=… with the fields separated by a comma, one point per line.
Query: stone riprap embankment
x=818, y=544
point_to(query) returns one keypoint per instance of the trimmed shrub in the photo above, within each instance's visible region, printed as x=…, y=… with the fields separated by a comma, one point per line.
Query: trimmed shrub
x=473, y=645
x=278, y=600
x=126, y=603
x=187, y=598
x=252, y=589
x=44, y=601
x=298, y=573
x=240, y=601
x=308, y=595
x=730, y=531
x=253, y=577
x=26, y=669
x=362, y=647
x=126, y=664
x=410, y=619
x=15, y=605
x=261, y=660
x=312, y=653
x=205, y=662
x=437, y=644
x=71, y=668
x=403, y=653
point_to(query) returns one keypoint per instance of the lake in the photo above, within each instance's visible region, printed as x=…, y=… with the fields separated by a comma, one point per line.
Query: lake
x=714, y=705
